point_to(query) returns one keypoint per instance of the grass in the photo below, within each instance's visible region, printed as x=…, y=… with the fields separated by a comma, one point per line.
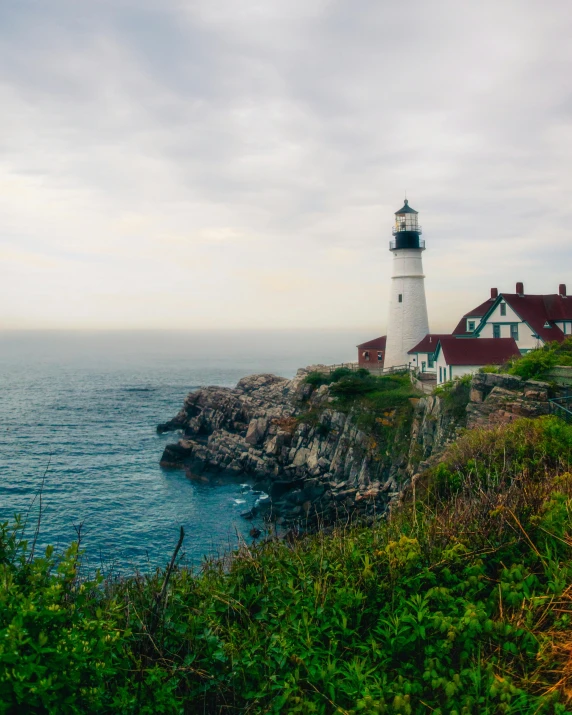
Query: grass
x=460, y=603
x=536, y=363
x=382, y=407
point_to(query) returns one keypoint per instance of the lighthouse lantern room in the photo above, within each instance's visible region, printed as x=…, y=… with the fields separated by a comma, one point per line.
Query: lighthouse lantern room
x=408, y=323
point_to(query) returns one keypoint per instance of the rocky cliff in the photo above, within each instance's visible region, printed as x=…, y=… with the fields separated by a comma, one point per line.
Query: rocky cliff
x=319, y=462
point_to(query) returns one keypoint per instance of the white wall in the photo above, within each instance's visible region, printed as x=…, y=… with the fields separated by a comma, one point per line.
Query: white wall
x=458, y=370
x=408, y=323
x=565, y=327
x=424, y=358
x=526, y=339
x=441, y=363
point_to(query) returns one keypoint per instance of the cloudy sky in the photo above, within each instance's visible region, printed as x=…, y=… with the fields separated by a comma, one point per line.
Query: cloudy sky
x=232, y=163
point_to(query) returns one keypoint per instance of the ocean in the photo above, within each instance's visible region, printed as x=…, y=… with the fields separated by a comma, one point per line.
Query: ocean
x=78, y=412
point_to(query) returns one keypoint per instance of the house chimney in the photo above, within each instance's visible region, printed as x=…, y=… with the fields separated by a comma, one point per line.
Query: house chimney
x=562, y=290
x=520, y=289
x=494, y=293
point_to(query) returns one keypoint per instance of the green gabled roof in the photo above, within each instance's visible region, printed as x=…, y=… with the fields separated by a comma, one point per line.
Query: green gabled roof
x=406, y=209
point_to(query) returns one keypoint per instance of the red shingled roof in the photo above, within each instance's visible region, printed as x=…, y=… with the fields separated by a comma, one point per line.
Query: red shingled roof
x=537, y=310
x=478, y=312
x=376, y=344
x=478, y=351
x=428, y=344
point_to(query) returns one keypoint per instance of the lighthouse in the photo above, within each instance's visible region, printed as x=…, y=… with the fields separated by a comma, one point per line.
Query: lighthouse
x=407, y=324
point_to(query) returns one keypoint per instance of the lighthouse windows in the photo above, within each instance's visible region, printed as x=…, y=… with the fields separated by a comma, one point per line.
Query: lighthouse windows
x=401, y=297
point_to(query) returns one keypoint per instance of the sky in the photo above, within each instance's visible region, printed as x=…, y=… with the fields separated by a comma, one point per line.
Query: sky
x=236, y=163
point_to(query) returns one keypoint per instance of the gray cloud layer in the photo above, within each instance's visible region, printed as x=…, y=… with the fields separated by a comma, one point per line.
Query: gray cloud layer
x=223, y=163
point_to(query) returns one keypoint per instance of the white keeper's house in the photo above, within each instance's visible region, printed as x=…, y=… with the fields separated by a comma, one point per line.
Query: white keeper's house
x=504, y=326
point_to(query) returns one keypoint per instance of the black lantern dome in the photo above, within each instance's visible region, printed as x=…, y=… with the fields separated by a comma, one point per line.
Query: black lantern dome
x=407, y=230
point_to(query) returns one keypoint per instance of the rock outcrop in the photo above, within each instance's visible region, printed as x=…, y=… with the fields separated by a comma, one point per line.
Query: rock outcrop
x=314, y=460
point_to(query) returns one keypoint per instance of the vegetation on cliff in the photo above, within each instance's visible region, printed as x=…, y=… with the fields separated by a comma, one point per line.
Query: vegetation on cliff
x=381, y=406
x=460, y=603
x=536, y=363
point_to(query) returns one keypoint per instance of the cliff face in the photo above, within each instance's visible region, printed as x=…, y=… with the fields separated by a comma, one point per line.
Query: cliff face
x=321, y=463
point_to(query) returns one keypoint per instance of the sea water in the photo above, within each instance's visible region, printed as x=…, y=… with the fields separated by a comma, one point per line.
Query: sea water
x=78, y=416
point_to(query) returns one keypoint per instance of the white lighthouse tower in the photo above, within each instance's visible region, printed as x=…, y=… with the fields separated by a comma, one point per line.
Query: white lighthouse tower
x=408, y=323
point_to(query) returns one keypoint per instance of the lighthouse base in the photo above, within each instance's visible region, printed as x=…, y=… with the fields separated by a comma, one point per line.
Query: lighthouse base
x=408, y=323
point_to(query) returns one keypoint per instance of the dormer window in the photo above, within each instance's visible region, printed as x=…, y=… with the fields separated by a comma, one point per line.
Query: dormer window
x=503, y=308
x=470, y=325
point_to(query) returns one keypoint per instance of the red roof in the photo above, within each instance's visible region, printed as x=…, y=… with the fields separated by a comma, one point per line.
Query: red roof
x=478, y=312
x=376, y=344
x=428, y=344
x=539, y=310
x=478, y=351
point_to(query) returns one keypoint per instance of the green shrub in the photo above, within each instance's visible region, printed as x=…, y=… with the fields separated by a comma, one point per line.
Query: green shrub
x=494, y=369
x=317, y=379
x=536, y=362
x=58, y=650
x=461, y=602
x=341, y=372
x=455, y=396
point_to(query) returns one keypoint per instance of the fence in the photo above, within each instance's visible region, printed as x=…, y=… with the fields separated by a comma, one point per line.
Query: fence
x=561, y=375
x=560, y=406
x=373, y=370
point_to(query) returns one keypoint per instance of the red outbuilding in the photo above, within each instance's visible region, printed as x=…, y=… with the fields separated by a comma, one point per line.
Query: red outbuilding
x=372, y=353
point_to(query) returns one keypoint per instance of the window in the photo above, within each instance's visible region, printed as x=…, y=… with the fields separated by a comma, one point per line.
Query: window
x=423, y=366
x=440, y=374
x=514, y=331
x=470, y=325
x=496, y=331
x=401, y=297
x=430, y=361
x=503, y=308
x=379, y=356
x=366, y=355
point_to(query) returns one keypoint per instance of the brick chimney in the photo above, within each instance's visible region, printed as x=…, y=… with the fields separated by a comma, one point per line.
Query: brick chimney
x=520, y=289
x=562, y=290
x=494, y=293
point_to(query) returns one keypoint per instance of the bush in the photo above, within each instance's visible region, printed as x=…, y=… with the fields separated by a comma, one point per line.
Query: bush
x=353, y=385
x=341, y=372
x=57, y=649
x=536, y=362
x=317, y=379
x=460, y=602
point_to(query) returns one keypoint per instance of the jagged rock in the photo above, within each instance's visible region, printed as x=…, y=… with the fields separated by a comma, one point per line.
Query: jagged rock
x=319, y=470
x=256, y=431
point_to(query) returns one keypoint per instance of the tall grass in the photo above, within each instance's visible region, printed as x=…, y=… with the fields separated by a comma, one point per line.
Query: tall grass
x=460, y=603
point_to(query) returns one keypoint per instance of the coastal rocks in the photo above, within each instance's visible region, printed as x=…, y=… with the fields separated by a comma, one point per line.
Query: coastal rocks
x=312, y=468
x=256, y=430
x=314, y=462
x=497, y=399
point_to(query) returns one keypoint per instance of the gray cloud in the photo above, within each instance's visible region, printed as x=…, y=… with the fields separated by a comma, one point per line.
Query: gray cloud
x=245, y=159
